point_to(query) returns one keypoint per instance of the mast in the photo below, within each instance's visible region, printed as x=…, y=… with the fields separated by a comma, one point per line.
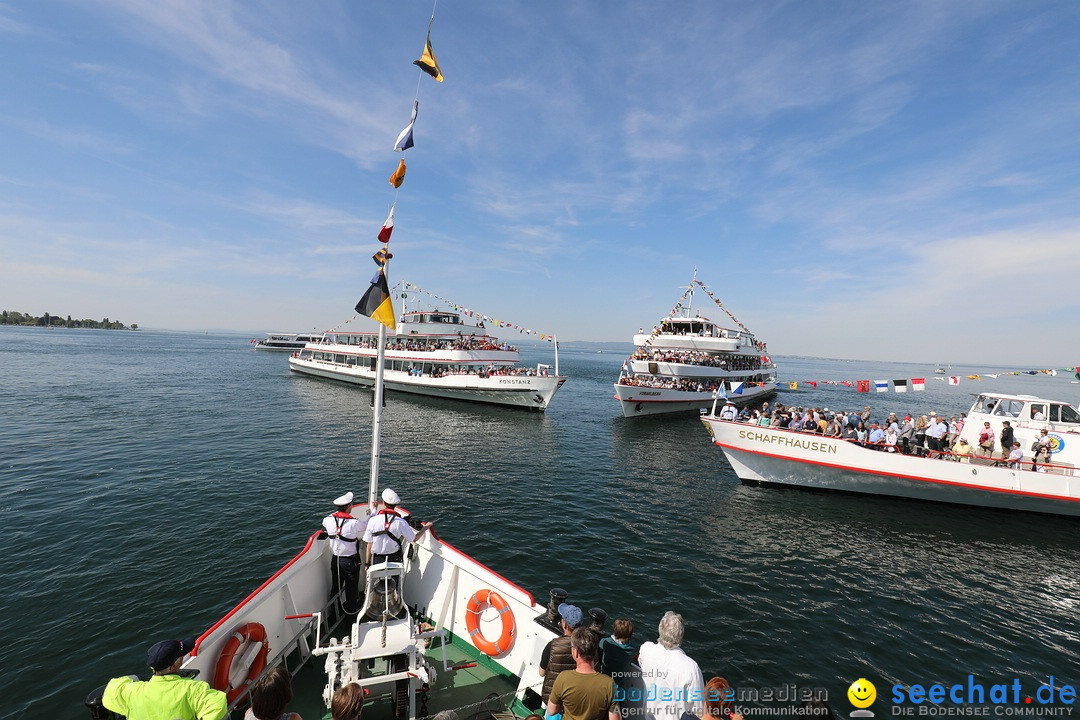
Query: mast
x=690, y=302
x=376, y=419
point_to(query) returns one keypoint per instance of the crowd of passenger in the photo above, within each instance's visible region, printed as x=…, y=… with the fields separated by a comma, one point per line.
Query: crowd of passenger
x=673, y=383
x=488, y=371
x=590, y=674
x=930, y=435
x=417, y=345
x=694, y=357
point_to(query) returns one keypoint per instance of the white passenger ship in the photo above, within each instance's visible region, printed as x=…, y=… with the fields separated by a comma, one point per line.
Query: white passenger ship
x=687, y=360
x=435, y=353
x=778, y=456
x=286, y=341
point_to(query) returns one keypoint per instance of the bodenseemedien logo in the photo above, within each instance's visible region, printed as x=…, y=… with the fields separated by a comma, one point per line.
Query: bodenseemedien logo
x=862, y=694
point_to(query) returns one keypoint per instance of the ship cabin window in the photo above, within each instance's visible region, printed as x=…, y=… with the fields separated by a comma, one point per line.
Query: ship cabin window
x=1037, y=411
x=1067, y=414
x=682, y=328
x=440, y=318
x=1009, y=408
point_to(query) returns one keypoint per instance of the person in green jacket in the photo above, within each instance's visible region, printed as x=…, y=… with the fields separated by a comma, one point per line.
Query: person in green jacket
x=166, y=695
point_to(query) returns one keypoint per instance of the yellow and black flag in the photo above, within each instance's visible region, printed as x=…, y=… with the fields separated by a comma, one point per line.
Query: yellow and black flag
x=427, y=61
x=381, y=256
x=376, y=301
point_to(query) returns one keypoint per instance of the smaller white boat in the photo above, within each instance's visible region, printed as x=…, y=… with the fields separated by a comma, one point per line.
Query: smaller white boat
x=286, y=341
x=778, y=456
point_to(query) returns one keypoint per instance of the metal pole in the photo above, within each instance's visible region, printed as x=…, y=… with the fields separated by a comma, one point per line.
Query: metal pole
x=376, y=422
x=373, y=480
x=556, y=357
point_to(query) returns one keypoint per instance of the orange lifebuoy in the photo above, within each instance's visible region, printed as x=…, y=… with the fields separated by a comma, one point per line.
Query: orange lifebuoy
x=253, y=632
x=472, y=622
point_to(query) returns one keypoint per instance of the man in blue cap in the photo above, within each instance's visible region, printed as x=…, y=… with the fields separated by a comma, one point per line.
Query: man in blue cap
x=557, y=655
x=166, y=695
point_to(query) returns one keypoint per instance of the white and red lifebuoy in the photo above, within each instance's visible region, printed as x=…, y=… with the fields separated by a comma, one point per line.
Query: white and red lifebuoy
x=236, y=647
x=472, y=622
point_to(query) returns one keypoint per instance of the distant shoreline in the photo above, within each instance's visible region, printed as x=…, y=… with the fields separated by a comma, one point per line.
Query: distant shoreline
x=66, y=327
x=48, y=320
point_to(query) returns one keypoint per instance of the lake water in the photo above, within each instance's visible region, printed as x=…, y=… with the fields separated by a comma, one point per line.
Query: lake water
x=150, y=480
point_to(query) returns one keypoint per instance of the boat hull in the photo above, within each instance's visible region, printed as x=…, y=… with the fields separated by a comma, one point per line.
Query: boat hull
x=533, y=392
x=774, y=456
x=636, y=400
x=439, y=579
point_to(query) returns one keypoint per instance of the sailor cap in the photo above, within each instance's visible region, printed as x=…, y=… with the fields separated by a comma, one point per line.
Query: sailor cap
x=390, y=497
x=346, y=499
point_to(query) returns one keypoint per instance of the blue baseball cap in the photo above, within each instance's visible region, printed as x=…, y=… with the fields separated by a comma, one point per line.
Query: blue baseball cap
x=162, y=655
x=571, y=614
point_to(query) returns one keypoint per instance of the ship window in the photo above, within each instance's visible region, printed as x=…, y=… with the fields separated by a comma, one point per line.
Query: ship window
x=1068, y=414
x=1009, y=408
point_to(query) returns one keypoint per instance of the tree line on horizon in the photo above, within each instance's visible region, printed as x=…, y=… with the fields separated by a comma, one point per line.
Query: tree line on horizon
x=11, y=317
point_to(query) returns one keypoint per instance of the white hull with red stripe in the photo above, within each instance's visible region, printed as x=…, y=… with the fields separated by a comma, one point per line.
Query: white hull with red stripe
x=439, y=581
x=774, y=456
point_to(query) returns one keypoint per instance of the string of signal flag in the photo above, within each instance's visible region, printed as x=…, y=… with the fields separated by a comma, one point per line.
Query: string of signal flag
x=376, y=302
x=679, y=305
x=919, y=384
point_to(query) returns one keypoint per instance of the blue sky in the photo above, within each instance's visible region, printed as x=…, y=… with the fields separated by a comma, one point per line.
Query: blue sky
x=893, y=181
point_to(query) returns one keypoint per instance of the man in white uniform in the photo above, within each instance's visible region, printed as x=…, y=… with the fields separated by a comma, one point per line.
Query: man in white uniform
x=673, y=682
x=387, y=532
x=343, y=531
x=729, y=412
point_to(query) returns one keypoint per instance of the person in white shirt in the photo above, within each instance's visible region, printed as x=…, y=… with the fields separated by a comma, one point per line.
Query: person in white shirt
x=387, y=532
x=728, y=412
x=343, y=531
x=672, y=679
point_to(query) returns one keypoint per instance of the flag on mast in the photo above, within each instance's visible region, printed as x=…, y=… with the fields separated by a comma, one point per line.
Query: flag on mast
x=376, y=303
x=404, y=140
x=399, y=175
x=381, y=256
x=427, y=61
x=388, y=226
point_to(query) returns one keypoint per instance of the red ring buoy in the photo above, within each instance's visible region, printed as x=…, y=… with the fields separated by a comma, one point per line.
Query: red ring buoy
x=472, y=623
x=253, y=632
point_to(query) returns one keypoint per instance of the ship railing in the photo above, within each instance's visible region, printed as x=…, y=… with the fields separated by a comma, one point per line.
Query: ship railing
x=1027, y=462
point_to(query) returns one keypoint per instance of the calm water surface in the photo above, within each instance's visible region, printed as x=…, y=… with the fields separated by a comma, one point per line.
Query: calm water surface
x=151, y=480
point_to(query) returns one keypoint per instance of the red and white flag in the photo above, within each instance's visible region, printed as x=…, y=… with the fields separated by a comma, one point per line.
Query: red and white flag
x=918, y=384
x=954, y=380
x=388, y=226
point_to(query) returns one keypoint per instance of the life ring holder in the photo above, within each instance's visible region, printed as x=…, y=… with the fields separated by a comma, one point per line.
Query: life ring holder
x=252, y=632
x=472, y=622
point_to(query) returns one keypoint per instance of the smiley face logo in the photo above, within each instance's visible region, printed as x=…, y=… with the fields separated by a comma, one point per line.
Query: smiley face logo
x=862, y=693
